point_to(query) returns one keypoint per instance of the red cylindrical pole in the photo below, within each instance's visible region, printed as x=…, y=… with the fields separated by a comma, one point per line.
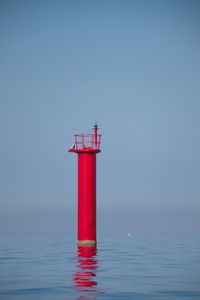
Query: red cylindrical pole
x=87, y=199
x=86, y=146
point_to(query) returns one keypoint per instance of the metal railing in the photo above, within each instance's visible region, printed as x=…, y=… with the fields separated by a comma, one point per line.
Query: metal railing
x=89, y=141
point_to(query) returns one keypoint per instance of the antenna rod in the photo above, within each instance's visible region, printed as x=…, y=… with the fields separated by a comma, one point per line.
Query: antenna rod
x=95, y=129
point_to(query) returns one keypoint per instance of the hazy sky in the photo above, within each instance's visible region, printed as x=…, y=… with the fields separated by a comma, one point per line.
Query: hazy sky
x=131, y=66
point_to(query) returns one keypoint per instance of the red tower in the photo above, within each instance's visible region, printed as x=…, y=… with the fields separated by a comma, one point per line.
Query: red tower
x=87, y=146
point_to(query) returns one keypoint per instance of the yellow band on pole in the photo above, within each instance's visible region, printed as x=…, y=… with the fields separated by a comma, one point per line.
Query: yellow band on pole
x=87, y=243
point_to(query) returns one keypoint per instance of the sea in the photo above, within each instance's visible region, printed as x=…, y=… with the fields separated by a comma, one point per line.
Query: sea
x=125, y=266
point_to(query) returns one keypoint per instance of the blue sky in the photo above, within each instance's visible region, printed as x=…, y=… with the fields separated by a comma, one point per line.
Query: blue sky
x=131, y=66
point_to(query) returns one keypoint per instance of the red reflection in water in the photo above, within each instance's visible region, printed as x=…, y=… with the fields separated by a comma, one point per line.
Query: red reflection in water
x=85, y=277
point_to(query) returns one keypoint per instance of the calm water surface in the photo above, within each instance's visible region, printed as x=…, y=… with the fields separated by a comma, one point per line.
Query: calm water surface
x=123, y=267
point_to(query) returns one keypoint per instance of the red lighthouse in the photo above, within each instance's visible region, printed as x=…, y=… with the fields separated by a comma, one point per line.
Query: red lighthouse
x=87, y=146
